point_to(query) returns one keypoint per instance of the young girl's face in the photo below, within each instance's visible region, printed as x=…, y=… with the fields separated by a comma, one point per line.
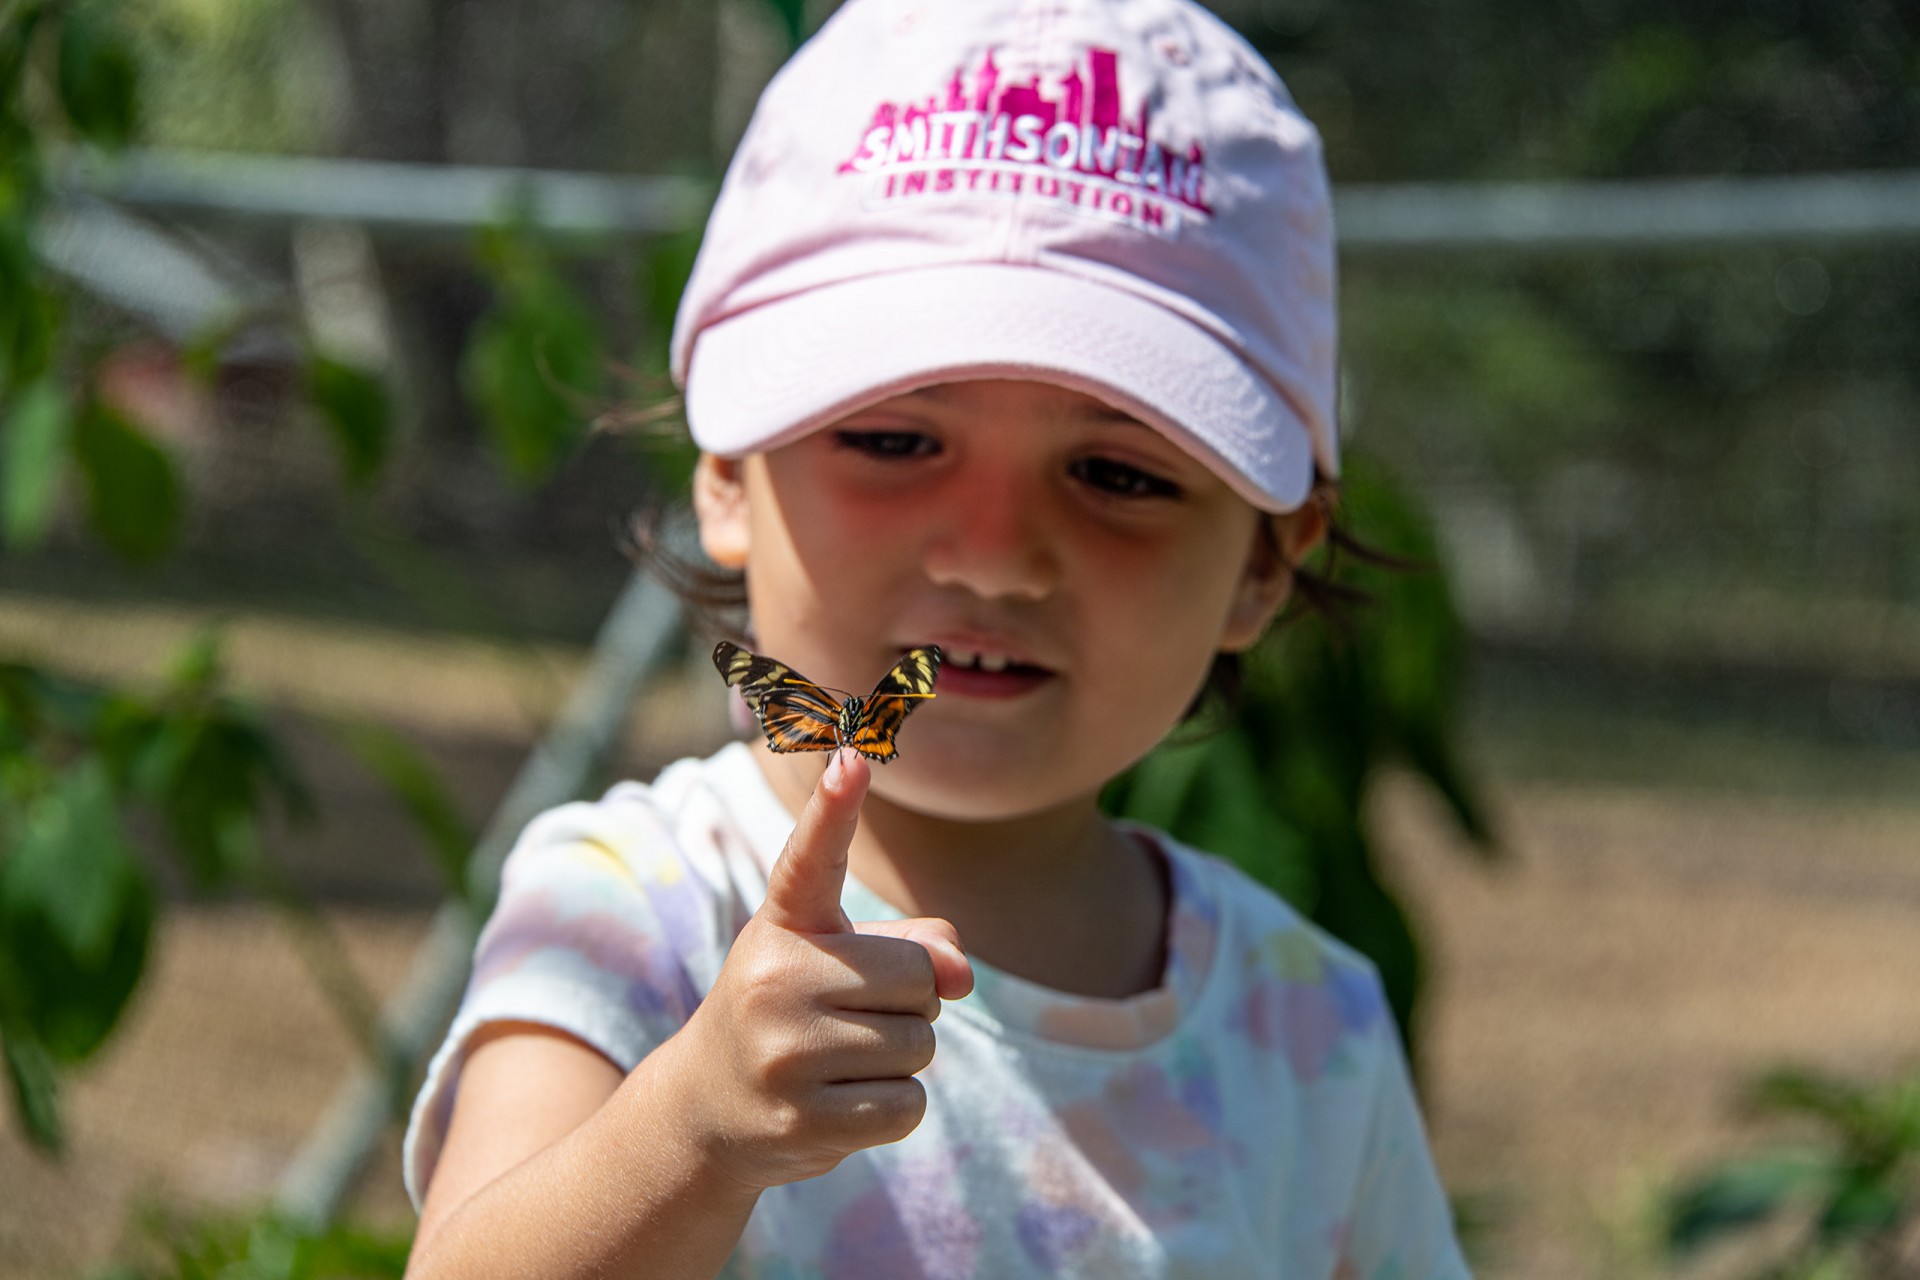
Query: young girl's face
x=1079, y=570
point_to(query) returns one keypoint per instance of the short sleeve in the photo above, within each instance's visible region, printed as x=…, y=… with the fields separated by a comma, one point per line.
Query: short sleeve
x=1401, y=1225
x=598, y=932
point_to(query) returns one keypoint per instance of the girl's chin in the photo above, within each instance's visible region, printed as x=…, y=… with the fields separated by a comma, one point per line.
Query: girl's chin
x=972, y=794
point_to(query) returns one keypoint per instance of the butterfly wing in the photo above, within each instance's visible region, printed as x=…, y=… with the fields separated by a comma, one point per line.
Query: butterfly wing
x=795, y=713
x=901, y=690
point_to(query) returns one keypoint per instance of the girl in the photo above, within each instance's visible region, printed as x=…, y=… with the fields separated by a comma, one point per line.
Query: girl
x=1012, y=333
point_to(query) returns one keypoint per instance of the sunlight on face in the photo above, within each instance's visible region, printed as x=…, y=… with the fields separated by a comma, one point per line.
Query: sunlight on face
x=1079, y=569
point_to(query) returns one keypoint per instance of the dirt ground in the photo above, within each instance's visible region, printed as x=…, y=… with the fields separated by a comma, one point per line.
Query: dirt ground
x=1597, y=1000
x=1600, y=1002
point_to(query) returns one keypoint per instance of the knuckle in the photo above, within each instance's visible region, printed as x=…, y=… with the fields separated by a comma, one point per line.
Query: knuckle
x=909, y=977
x=919, y=1042
x=764, y=974
x=919, y=963
x=749, y=980
x=890, y=1114
x=785, y=1125
x=789, y=1049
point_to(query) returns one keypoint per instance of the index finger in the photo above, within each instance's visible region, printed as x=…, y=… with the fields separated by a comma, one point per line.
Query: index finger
x=804, y=887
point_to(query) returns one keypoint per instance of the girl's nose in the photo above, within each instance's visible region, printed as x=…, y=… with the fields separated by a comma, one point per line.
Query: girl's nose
x=992, y=541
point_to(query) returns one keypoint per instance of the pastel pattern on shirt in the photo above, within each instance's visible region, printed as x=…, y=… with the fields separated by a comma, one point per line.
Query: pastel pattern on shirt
x=1251, y=1115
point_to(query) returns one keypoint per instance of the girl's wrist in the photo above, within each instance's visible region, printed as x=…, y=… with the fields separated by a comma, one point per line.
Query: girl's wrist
x=674, y=1087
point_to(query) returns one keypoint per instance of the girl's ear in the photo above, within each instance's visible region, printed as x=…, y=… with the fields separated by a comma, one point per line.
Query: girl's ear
x=720, y=504
x=1279, y=543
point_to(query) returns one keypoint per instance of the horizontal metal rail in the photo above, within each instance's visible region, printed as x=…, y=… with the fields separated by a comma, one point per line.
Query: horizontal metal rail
x=414, y=199
x=386, y=197
x=1640, y=213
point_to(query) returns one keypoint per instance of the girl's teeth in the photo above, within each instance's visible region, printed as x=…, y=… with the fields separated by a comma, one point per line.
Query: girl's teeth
x=973, y=660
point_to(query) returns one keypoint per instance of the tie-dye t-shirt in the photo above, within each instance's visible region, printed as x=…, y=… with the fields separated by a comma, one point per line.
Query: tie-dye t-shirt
x=1252, y=1116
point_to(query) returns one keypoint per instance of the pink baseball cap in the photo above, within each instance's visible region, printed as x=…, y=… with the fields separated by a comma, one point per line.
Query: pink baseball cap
x=1117, y=196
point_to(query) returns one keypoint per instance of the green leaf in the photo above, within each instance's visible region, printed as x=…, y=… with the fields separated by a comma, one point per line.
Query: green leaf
x=36, y=705
x=666, y=268
x=793, y=19
x=1793, y=1091
x=1429, y=748
x=202, y=355
x=35, y=1089
x=76, y=913
x=518, y=360
x=16, y=33
x=209, y=763
x=532, y=361
x=355, y=408
x=196, y=667
x=29, y=314
x=1158, y=789
x=1864, y=1205
x=71, y=860
x=418, y=787
x=98, y=77
x=1235, y=816
x=134, y=497
x=32, y=462
x=1740, y=1194
x=214, y=770
x=264, y=1246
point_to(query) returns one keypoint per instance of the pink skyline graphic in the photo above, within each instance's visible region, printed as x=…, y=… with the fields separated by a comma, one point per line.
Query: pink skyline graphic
x=1074, y=126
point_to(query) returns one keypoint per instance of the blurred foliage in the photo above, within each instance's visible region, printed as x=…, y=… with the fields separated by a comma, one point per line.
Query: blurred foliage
x=248, y=77
x=534, y=359
x=1852, y=1195
x=1281, y=788
x=1658, y=428
x=355, y=407
x=792, y=15
x=82, y=764
x=66, y=73
x=1666, y=430
x=80, y=767
x=1601, y=89
x=172, y=1246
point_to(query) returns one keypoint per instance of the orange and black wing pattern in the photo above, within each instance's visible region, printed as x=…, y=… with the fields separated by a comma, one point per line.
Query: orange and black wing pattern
x=795, y=713
x=884, y=710
x=799, y=715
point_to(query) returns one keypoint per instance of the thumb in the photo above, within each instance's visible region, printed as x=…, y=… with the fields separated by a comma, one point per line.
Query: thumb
x=803, y=889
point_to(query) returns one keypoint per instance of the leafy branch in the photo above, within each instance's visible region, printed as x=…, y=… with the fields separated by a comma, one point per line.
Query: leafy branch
x=1853, y=1193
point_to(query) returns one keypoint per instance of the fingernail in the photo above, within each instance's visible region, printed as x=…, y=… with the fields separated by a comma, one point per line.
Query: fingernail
x=836, y=770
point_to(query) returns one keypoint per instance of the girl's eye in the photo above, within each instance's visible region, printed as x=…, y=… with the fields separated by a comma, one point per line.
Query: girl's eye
x=888, y=444
x=1123, y=479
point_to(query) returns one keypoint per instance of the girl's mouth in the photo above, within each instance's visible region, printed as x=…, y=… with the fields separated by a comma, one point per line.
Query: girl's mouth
x=969, y=673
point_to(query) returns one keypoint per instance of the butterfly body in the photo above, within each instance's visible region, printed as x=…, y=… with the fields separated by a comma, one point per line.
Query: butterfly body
x=798, y=715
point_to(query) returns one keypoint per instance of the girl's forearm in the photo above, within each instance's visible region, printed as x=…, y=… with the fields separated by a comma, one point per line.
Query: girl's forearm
x=628, y=1193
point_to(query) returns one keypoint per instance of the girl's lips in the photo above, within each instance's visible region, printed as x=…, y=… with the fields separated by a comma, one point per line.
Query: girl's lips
x=970, y=682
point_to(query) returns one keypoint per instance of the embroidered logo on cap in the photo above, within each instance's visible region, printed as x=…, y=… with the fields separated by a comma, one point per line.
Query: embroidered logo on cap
x=1066, y=143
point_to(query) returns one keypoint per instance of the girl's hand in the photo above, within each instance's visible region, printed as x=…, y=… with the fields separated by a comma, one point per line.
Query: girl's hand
x=805, y=1050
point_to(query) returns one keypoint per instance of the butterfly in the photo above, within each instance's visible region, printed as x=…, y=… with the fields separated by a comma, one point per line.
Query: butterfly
x=799, y=715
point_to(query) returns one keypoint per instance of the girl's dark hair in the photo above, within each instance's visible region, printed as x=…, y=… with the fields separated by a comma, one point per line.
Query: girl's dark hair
x=716, y=598
x=1315, y=591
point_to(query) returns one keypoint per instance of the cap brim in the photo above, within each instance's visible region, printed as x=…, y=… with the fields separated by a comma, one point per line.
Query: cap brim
x=769, y=375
